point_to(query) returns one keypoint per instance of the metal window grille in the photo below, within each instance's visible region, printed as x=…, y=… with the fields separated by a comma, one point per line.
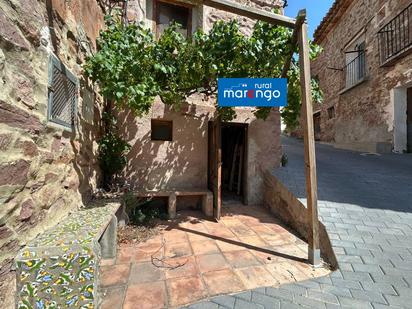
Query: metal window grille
x=331, y=112
x=395, y=37
x=355, y=70
x=63, y=94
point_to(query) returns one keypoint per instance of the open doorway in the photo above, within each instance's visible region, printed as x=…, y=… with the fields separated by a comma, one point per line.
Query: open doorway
x=316, y=125
x=234, y=150
x=227, y=163
x=402, y=129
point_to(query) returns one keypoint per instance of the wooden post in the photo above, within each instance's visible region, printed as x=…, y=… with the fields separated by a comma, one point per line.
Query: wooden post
x=309, y=147
x=217, y=185
x=300, y=19
x=310, y=160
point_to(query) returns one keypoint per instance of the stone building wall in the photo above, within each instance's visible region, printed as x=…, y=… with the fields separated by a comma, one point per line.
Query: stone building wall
x=364, y=115
x=183, y=162
x=45, y=171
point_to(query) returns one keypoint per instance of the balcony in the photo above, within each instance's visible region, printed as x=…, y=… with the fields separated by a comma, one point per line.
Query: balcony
x=395, y=38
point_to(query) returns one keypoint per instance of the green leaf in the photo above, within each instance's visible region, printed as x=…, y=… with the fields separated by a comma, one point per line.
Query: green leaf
x=132, y=67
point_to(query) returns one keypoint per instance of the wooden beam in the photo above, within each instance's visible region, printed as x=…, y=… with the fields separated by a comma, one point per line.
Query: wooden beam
x=300, y=19
x=309, y=147
x=254, y=13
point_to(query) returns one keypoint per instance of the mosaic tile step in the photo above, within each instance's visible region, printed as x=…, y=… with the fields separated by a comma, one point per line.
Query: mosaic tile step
x=59, y=268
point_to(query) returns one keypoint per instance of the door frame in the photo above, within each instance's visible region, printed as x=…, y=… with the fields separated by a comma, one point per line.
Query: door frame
x=399, y=103
x=215, y=165
x=245, y=127
x=409, y=120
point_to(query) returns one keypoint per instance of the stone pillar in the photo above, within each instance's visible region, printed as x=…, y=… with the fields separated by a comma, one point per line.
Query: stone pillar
x=207, y=204
x=108, y=241
x=172, y=206
x=122, y=216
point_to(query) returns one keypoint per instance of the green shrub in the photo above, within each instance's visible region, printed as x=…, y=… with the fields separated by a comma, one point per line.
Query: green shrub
x=112, y=151
x=142, y=211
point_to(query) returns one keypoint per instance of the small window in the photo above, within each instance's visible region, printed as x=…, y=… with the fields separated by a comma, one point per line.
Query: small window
x=162, y=130
x=62, y=96
x=167, y=13
x=331, y=112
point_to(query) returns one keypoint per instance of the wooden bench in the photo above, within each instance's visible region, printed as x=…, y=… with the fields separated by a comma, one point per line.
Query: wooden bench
x=59, y=268
x=207, y=199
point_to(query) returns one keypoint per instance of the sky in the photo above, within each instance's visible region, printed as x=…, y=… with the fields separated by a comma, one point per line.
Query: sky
x=316, y=10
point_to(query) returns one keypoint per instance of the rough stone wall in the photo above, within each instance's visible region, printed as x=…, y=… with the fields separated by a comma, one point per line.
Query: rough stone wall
x=182, y=163
x=45, y=171
x=364, y=114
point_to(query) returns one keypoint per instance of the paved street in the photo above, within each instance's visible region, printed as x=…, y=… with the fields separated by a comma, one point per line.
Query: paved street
x=365, y=201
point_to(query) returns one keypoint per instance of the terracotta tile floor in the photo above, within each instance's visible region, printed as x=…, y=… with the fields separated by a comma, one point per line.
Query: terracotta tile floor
x=194, y=258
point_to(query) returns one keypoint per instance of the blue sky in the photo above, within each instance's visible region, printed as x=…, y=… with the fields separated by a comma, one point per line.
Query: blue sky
x=316, y=10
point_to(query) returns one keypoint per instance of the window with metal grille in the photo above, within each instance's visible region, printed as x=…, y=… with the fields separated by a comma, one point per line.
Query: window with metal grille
x=331, y=112
x=63, y=93
x=355, y=69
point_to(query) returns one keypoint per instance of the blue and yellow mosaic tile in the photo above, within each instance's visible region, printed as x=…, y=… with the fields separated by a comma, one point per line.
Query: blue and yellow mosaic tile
x=59, y=269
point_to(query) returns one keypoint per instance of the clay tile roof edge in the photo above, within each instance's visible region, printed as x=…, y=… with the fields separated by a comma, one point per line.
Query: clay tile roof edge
x=334, y=14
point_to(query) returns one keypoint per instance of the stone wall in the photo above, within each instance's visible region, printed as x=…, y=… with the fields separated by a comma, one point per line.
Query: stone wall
x=180, y=163
x=364, y=115
x=183, y=162
x=45, y=171
x=281, y=202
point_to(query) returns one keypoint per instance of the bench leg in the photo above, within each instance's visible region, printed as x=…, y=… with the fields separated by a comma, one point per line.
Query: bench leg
x=108, y=241
x=207, y=204
x=172, y=206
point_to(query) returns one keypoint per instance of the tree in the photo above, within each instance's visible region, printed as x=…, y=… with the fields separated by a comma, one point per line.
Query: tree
x=132, y=67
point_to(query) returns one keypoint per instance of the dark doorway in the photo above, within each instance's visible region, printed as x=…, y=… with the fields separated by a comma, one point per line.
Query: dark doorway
x=234, y=146
x=316, y=125
x=409, y=120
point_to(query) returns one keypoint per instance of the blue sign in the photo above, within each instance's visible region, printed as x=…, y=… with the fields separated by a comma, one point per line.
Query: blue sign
x=254, y=92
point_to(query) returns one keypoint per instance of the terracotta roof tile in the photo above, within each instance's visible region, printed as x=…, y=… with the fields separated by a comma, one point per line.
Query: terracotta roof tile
x=334, y=14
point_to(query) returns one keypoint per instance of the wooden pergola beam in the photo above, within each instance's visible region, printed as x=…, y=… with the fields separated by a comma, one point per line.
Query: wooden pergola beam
x=300, y=19
x=254, y=13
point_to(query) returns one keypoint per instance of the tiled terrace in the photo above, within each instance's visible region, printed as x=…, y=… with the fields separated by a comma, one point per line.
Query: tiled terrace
x=194, y=258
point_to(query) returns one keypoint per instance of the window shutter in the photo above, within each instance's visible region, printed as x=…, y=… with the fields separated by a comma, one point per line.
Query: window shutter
x=63, y=94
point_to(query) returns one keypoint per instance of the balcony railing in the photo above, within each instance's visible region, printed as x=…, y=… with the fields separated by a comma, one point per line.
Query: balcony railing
x=355, y=71
x=395, y=38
